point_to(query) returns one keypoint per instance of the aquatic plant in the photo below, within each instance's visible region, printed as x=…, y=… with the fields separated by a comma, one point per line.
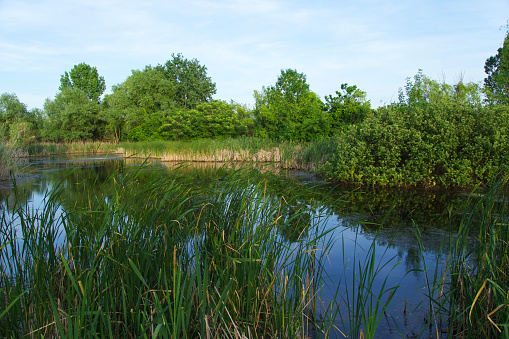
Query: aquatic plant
x=162, y=257
x=10, y=154
x=479, y=279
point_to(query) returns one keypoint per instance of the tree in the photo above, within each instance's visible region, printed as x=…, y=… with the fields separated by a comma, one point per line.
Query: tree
x=72, y=116
x=423, y=91
x=12, y=111
x=85, y=78
x=289, y=110
x=496, y=85
x=193, y=86
x=214, y=119
x=136, y=104
x=347, y=108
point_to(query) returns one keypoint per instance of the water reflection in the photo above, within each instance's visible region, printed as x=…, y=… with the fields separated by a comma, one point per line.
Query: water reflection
x=387, y=218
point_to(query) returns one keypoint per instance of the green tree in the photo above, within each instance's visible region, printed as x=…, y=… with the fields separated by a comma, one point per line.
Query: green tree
x=289, y=110
x=192, y=85
x=214, y=119
x=85, y=78
x=17, y=124
x=71, y=116
x=423, y=91
x=496, y=85
x=136, y=107
x=347, y=107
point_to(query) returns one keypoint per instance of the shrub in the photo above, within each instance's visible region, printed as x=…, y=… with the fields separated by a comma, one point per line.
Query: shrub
x=448, y=143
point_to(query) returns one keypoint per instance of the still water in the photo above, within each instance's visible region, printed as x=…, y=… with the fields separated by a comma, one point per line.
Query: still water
x=375, y=228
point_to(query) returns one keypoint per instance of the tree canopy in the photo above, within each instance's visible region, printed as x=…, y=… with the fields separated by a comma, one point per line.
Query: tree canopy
x=85, y=78
x=423, y=91
x=71, y=116
x=16, y=122
x=496, y=84
x=348, y=107
x=192, y=85
x=289, y=110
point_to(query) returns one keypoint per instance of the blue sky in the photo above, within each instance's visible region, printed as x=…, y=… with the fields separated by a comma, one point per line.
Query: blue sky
x=373, y=44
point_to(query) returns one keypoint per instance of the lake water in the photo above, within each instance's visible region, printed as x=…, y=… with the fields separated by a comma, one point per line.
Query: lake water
x=355, y=216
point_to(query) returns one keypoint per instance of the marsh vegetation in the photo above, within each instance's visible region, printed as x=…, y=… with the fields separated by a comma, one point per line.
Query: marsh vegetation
x=112, y=249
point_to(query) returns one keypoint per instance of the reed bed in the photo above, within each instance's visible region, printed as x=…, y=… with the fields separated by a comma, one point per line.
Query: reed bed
x=79, y=147
x=10, y=154
x=478, y=298
x=286, y=154
x=165, y=256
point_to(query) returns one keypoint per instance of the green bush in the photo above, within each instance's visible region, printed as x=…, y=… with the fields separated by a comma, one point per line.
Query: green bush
x=446, y=144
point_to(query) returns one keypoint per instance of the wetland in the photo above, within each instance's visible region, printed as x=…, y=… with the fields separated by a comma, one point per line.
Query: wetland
x=118, y=246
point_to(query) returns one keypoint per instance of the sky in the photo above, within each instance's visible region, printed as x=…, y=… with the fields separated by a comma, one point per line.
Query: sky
x=245, y=44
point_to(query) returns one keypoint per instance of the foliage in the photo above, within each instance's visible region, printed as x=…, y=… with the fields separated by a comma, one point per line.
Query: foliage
x=477, y=301
x=136, y=107
x=164, y=103
x=496, y=85
x=209, y=120
x=192, y=85
x=423, y=90
x=17, y=124
x=289, y=110
x=75, y=114
x=433, y=137
x=10, y=154
x=347, y=108
x=148, y=90
x=85, y=78
x=134, y=262
x=71, y=116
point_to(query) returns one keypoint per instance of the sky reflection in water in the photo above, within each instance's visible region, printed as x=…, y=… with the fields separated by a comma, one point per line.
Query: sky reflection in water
x=355, y=218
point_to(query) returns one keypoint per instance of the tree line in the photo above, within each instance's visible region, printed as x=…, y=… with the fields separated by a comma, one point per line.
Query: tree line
x=173, y=101
x=436, y=133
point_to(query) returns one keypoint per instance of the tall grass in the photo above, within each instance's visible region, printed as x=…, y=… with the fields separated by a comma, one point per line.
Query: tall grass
x=81, y=147
x=286, y=154
x=166, y=257
x=10, y=154
x=479, y=270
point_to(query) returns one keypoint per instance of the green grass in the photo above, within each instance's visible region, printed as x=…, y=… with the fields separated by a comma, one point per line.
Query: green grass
x=165, y=256
x=49, y=148
x=469, y=298
x=226, y=254
x=287, y=154
x=479, y=271
x=9, y=155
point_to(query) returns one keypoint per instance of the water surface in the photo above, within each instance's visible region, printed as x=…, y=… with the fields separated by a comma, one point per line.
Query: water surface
x=380, y=225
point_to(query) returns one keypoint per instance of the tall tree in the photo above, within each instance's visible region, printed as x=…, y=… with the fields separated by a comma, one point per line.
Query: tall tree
x=72, y=116
x=496, y=85
x=85, y=78
x=193, y=86
x=289, y=110
x=138, y=103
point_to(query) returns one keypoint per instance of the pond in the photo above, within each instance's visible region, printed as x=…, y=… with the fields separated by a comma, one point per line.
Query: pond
x=402, y=235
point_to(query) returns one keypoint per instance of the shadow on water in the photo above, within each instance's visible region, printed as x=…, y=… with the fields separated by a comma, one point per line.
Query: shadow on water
x=356, y=217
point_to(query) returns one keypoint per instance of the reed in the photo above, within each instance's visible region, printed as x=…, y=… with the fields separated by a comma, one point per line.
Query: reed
x=365, y=290
x=79, y=147
x=10, y=154
x=167, y=256
x=207, y=150
x=479, y=271
x=286, y=154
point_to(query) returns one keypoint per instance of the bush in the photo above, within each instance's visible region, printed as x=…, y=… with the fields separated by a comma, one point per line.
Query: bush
x=446, y=144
